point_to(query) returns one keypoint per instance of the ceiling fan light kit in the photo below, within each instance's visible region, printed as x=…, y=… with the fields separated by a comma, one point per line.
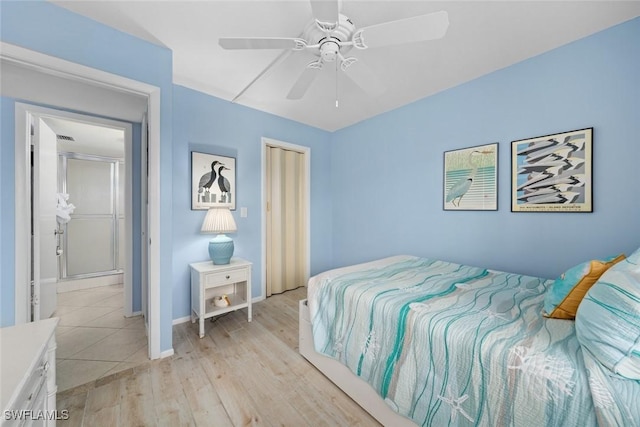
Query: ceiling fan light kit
x=330, y=35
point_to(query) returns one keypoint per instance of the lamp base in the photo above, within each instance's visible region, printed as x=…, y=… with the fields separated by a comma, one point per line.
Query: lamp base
x=221, y=249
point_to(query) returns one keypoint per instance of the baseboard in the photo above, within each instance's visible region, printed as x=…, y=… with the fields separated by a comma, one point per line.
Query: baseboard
x=166, y=353
x=181, y=320
x=186, y=319
x=89, y=282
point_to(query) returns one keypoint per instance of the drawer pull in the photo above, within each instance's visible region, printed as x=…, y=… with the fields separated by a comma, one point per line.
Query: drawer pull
x=228, y=277
x=44, y=368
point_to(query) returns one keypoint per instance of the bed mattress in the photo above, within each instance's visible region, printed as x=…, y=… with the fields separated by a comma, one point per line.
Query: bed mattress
x=448, y=344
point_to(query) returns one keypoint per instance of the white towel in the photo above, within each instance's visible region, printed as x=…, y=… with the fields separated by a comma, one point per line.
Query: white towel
x=64, y=209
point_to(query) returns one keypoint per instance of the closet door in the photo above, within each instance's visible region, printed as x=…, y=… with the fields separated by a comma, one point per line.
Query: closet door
x=286, y=220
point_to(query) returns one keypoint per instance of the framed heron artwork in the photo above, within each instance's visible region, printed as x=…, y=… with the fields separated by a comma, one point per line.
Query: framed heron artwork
x=552, y=173
x=471, y=179
x=213, y=181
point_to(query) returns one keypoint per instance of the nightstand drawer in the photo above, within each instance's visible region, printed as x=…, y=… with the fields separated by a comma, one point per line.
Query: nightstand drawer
x=225, y=278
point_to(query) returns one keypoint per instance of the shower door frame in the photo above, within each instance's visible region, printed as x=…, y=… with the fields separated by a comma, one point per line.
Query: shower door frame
x=117, y=212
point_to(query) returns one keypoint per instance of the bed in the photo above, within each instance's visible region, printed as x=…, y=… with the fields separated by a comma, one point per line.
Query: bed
x=417, y=341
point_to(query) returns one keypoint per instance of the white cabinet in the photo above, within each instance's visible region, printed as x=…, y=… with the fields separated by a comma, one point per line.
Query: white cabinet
x=28, y=374
x=210, y=282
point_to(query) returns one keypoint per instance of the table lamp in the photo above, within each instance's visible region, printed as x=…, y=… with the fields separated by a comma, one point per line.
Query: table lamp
x=219, y=220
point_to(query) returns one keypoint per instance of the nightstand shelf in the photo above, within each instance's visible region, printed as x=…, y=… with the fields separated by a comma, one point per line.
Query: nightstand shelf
x=209, y=281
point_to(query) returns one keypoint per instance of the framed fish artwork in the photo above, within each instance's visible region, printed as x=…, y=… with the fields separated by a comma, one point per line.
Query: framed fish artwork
x=553, y=173
x=213, y=181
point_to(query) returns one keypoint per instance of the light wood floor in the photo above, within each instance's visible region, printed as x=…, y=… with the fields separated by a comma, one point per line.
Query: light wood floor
x=239, y=374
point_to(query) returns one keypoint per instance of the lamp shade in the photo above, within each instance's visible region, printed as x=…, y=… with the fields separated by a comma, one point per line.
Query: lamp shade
x=218, y=220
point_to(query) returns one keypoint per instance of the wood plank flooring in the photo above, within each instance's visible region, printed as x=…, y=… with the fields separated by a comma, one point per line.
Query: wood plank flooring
x=239, y=374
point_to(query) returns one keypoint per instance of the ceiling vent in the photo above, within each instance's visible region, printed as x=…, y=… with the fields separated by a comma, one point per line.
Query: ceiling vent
x=65, y=138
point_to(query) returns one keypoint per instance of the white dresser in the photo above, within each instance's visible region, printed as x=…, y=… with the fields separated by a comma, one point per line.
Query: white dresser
x=28, y=374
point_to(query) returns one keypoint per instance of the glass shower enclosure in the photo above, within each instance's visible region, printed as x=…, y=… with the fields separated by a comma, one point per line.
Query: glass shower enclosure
x=92, y=241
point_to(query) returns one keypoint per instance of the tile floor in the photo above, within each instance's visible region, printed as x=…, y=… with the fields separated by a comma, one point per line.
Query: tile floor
x=94, y=338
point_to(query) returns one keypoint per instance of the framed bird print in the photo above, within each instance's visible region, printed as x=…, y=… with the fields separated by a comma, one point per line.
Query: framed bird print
x=213, y=181
x=552, y=173
x=471, y=179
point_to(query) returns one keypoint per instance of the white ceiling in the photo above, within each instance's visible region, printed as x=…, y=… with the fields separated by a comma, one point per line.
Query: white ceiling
x=483, y=36
x=88, y=138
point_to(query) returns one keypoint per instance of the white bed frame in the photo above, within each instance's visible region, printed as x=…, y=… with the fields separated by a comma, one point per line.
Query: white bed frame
x=360, y=391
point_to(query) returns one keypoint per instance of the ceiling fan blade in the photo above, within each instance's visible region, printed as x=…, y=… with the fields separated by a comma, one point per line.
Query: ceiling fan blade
x=303, y=83
x=261, y=43
x=363, y=76
x=325, y=11
x=419, y=28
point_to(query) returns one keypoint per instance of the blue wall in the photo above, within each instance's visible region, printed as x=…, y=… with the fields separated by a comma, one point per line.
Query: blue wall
x=384, y=168
x=7, y=229
x=210, y=125
x=43, y=27
x=6, y=314
x=189, y=121
x=389, y=169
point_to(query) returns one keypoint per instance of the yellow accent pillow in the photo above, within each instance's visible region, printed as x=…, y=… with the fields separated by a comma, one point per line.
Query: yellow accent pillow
x=565, y=294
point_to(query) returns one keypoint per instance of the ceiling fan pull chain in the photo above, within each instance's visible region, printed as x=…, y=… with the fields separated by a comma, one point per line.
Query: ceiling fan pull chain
x=336, y=84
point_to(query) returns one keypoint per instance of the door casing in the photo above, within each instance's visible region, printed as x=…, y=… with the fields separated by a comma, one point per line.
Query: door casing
x=30, y=113
x=81, y=73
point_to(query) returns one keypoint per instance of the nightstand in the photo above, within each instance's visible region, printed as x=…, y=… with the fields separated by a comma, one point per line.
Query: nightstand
x=210, y=281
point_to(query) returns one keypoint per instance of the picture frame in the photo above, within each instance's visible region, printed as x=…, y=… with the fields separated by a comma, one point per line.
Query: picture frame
x=471, y=179
x=208, y=189
x=553, y=173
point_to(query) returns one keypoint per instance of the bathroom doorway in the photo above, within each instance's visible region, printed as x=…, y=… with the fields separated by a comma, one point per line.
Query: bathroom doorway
x=88, y=244
x=91, y=179
x=80, y=164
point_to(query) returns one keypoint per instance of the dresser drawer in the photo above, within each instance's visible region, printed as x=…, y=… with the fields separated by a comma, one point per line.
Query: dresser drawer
x=225, y=278
x=28, y=386
x=31, y=396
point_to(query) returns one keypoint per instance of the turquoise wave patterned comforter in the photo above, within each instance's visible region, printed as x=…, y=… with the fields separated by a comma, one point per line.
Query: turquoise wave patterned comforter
x=452, y=345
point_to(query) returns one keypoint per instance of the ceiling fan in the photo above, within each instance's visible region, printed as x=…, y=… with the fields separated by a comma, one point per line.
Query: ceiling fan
x=330, y=35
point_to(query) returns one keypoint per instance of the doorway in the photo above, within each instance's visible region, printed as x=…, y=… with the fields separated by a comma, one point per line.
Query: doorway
x=101, y=92
x=286, y=193
x=82, y=260
x=81, y=159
